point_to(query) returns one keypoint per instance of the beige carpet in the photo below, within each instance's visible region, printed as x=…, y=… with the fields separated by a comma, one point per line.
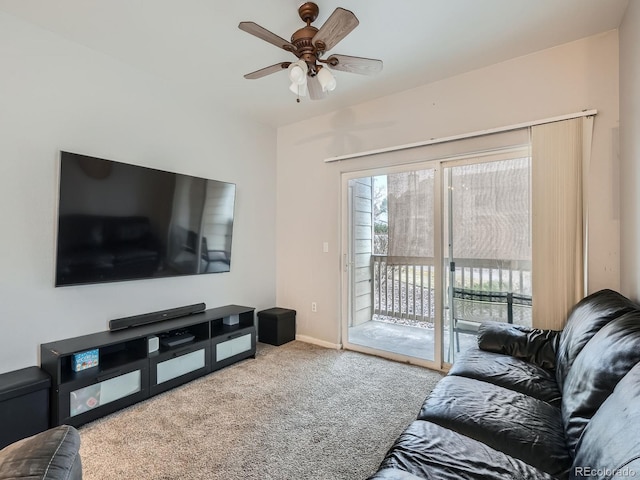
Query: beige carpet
x=297, y=411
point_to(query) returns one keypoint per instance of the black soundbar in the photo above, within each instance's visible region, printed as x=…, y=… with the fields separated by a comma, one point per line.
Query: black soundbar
x=146, y=318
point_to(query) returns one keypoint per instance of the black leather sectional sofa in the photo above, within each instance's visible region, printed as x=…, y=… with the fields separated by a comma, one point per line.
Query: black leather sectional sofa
x=534, y=404
x=50, y=455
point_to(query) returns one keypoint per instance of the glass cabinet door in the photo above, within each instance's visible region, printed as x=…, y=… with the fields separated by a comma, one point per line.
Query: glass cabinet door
x=107, y=391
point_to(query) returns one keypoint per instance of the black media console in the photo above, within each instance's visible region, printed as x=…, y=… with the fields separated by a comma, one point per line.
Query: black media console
x=138, y=362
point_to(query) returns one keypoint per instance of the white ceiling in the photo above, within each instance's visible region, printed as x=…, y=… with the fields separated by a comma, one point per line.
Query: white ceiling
x=196, y=44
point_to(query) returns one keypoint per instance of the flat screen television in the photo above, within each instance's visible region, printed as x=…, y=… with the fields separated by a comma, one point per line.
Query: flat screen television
x=118, y=221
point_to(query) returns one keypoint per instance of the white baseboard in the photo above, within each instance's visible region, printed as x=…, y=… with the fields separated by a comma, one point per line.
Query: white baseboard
x=321, y=343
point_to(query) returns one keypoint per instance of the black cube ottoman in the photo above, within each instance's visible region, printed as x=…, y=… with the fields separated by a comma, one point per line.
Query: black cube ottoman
x=276, y=326
x=24, y=404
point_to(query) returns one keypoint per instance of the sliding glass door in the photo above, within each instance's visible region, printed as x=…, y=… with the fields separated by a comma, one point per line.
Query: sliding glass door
x=488, y=246
x=431, y=251
x=392, y=280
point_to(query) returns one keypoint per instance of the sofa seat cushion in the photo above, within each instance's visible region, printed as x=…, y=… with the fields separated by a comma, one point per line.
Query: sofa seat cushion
x=428, y=450
x=51, y=455
x=587, y=317
x=508, y=372
x=511, y=422
x=605, y=359
x=610, y=443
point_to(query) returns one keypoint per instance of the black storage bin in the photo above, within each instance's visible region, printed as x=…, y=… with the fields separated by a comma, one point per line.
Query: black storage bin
x=276, y=326
x=24, y=404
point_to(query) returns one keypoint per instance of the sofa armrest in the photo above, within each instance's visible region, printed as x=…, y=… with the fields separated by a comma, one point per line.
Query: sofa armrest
x=530, y=344
x=52, y=454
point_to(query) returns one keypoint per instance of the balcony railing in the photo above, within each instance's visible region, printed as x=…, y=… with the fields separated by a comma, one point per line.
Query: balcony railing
x=404, y=287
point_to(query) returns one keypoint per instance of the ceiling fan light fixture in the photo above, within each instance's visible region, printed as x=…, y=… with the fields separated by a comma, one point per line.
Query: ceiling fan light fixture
x=298, y=72
x=308, y=44
x=327, y=80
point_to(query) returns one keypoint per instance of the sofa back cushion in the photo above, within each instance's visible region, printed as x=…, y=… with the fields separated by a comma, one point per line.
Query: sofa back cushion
x=610, y=354
x=610, y=444
x=587, y=317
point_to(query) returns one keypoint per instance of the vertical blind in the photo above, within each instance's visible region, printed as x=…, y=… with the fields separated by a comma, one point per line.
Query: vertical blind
x=560, y=155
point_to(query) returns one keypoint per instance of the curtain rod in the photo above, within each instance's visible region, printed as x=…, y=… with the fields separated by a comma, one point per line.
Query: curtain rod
x=569, y=116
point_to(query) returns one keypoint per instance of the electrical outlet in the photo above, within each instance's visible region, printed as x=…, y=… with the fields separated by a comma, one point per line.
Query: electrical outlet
x=314, y=307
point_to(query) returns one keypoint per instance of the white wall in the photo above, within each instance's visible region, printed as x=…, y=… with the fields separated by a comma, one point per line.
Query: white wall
x=565, y=79
x=630, y=150
x=56, y=95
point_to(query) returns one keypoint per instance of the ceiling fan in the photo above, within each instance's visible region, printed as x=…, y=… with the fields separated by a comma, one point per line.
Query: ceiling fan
x=309, y=44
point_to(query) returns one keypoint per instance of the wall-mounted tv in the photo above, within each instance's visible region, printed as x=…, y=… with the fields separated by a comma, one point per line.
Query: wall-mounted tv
x=123, y=222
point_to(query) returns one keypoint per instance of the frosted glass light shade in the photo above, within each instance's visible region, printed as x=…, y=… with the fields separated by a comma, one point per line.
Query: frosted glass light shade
x=327, y=80
x=298, y=72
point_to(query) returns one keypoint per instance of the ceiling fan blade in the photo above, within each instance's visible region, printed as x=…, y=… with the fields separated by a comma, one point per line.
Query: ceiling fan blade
x=338, y=25
x=361, y=65
x=315, y=89
x=263, y=72
x=264, y=34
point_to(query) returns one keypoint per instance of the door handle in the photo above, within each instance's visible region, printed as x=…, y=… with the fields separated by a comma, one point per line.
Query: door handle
x=347, y=263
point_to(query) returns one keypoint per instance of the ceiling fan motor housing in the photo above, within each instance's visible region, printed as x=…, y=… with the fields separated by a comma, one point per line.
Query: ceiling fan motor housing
x=302, y=38
x=305, y=49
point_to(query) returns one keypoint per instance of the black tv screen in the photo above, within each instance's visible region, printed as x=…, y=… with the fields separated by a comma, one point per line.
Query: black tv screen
x=123, y=222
